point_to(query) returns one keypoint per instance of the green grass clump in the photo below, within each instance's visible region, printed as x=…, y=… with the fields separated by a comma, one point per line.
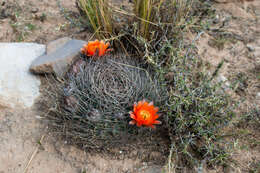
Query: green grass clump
x=92, y=105
x=99, y=14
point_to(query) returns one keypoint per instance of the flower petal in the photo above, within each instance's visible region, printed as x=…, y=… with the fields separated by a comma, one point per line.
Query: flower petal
x=107, y=45
x=134, y=108
x=145, y=113
x=139, y=124
x=133, y=122
x=101, y=48
x=157, y=122
x=133, y=116
x=96, y=47
x=82, y=50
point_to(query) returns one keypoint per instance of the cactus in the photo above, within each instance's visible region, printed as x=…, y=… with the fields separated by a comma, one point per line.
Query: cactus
x=96, y=98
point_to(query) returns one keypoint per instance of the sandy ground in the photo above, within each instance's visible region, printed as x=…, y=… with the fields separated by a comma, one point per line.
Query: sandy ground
x=26, y=145
x=235, y=39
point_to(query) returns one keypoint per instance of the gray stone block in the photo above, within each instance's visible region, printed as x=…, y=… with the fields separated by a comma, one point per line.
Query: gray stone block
x=17, y=85
x=56, y=44
x=59, y=60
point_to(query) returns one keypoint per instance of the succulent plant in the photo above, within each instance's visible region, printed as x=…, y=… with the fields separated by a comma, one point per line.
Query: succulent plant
x=97, y=96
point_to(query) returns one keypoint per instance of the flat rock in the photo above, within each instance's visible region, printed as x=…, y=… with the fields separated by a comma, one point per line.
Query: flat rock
x=56, y=44
x=58, y=61
x=17, y=85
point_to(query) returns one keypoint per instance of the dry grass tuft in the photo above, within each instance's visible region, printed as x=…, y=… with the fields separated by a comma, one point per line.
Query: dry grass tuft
x=99, y=15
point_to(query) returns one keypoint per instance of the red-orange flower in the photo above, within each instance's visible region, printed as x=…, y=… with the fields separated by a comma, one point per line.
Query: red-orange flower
x=93, y=47
x=144, y=113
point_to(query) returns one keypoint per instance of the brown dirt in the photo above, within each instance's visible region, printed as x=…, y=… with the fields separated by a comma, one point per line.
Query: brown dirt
x=24, y=141
x=39, y=21
x=27, y=147
x=235, y=39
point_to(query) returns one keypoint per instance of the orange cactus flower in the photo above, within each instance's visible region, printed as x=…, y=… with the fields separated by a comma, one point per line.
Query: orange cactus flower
x=144, y=113
x=93, y=47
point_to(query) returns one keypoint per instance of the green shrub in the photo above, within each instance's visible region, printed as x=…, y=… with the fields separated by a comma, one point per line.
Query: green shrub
x=197, y=109
x=196, y=114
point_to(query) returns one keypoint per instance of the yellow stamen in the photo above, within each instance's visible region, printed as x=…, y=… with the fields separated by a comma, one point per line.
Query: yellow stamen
x=145, y=114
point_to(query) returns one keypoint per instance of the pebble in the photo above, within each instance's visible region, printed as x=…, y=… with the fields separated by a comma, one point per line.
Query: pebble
x=224, y=80
x=250, y=48
x=258, y=95
x=35, y=10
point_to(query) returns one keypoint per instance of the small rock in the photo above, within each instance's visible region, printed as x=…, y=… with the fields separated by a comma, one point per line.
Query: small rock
x=216, y=19
x=17, y=85
x=224, y=80
x=258, y=95
x=221, y=78
x=41, y=17
x=3, y=3
x=35, y=10
x=58, y=61
x=3, y=14
x=250, y=48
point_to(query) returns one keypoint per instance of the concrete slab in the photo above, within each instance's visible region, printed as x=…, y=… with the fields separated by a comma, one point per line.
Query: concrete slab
x=17, y=84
